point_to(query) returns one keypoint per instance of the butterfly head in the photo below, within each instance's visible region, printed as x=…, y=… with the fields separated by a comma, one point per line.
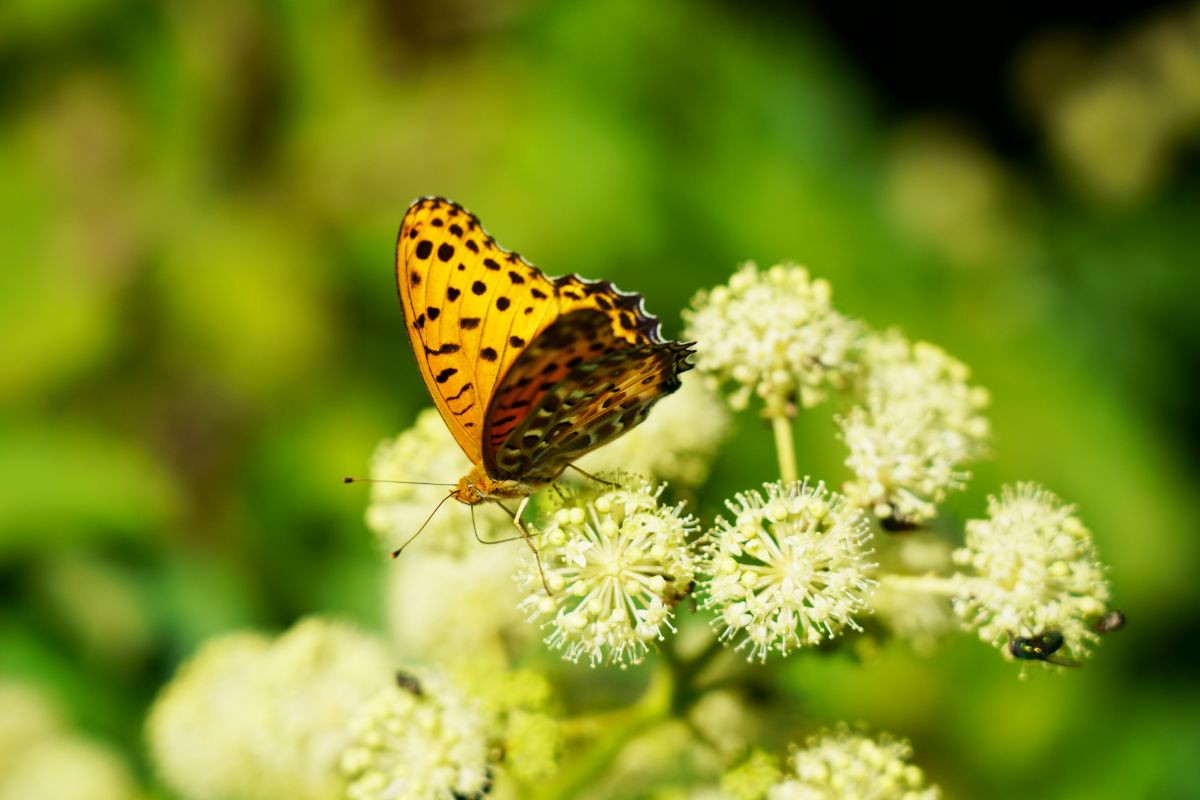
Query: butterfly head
x=478, y=487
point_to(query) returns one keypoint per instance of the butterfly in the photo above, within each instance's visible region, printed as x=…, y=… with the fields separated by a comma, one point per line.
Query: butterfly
x=529, y=372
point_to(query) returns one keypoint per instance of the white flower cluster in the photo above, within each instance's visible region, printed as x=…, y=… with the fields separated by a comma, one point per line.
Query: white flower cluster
x=443, y=608
x=419, y=739
x=617, y=564
x=919, y=618
x=775, y=335
x=426, y=452
x=789, y=570
x=251, y=717
x=841, y=764
x=1033, y=570
x=917, y=423
x=676, y=443
x=40, y=757
x=319, y=714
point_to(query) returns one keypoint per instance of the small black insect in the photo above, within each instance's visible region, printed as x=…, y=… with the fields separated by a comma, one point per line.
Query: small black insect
x=1112, y=621
x=409, y=683
x=1041, y=647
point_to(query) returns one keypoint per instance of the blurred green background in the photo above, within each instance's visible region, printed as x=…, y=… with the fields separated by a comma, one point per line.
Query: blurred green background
x=198, y=205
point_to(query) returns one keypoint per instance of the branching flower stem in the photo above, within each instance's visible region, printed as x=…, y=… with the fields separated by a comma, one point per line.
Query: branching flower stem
x=671, y=691
x=925, y=584
x=609, y=733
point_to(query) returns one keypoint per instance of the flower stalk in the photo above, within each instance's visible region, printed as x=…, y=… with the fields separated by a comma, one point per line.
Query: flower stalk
x=612, y=731
x=785, y=447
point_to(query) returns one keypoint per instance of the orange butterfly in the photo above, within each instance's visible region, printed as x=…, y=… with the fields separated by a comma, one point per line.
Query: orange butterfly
x=528, y=372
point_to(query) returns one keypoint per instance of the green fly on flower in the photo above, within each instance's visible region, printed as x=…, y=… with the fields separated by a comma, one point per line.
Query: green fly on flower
x=1043, y=646
x=1032, y=569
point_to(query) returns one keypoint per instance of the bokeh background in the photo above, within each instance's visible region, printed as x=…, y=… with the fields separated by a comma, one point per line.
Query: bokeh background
x=198, y=204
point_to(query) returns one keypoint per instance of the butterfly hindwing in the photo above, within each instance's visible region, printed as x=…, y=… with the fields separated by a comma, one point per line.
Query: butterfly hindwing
x=571, y=340
x=578, y=386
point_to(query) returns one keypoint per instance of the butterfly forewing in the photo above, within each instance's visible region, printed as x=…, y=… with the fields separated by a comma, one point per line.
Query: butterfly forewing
x=471, y=307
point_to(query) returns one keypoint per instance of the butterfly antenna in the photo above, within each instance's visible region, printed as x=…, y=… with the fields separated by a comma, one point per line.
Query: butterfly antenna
x=529, y=541
x=349, y=479
x=396, y=553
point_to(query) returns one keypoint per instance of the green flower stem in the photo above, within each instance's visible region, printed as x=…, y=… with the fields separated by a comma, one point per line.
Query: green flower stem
x=926, y=584
x=688, y=670
x=612, y=732
x=671, y=693
x=782, y=425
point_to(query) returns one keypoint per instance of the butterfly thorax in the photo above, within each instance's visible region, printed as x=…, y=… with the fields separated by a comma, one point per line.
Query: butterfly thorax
x=478, y=487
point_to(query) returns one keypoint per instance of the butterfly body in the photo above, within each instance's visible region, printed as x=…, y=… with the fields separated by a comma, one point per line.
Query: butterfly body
x=529, y=372
x=478, y=487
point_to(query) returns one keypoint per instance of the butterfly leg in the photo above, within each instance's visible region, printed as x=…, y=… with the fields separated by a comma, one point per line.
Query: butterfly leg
x=529, y=541
x=592, y=477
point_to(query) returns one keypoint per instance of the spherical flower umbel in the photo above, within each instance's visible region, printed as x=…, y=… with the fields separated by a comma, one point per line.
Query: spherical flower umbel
x=917, y=423
x=446, y=608
x=617, y=562
x=773, y=334
x=789, y=570
x=251, y=717
x=69, y=767
x=842, y=764
x=1033, y=569
x=426, y=452
x=421, y=738
x=41, y=757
